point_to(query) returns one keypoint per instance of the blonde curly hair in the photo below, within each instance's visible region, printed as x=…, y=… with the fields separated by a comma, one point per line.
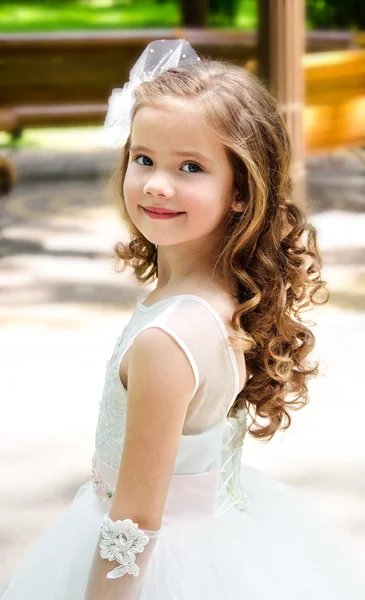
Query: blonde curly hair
x=269, y=253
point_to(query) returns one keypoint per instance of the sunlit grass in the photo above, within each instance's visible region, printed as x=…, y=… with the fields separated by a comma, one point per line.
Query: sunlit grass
x=58, y=138
x=76, y=16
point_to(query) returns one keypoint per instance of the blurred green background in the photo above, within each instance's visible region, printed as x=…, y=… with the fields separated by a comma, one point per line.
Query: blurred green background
x=50, y=15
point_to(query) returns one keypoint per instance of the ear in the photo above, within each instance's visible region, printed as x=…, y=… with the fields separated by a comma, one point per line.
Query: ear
x=237, y=203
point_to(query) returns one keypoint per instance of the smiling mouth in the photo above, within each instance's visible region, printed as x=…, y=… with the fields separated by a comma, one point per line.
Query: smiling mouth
x=161, y=214
x=160, y=210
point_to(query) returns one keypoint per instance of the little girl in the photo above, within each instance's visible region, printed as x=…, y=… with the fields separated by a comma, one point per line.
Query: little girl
x=218, y=348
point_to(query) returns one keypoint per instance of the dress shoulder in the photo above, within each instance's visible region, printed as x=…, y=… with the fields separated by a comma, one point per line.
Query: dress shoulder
x=200, y=331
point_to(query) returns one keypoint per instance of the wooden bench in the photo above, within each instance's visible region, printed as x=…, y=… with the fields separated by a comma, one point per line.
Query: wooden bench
x=334, y=114
x=65, y=79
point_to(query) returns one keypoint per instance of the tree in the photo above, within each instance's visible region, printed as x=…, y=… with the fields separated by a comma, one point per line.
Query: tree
x=193, y=14
x=336, y=14
x=226, y=10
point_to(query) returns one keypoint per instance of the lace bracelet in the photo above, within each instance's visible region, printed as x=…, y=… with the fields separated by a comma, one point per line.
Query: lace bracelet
x=121, y=541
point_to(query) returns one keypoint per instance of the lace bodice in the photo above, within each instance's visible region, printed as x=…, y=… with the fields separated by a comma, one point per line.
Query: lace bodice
x=209, y=440
x=112, y=412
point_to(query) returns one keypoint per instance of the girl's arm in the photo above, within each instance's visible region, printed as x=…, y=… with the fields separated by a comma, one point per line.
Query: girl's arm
x=160, y=386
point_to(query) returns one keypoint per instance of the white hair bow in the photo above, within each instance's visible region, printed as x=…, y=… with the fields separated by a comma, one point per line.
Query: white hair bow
x=157, y=57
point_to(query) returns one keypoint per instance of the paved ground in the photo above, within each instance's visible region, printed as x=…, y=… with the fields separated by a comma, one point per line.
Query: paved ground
x=62, y=306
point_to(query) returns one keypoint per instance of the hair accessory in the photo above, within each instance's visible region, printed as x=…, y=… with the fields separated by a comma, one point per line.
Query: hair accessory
x=157, y=57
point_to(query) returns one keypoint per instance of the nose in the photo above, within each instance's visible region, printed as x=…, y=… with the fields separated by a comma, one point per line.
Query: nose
x=158, y=186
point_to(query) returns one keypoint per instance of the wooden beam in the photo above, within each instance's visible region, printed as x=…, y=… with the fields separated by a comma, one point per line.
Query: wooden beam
x=281, y=50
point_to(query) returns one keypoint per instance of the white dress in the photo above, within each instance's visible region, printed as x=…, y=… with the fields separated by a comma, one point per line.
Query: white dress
x=229, y=531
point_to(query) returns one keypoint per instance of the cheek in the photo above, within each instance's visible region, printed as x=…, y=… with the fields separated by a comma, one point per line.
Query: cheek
x=207, y=198
x=130, y=188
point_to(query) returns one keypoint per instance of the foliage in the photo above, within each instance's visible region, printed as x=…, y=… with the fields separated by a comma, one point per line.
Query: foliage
x=50, y=15
x=336, y=14
x=224, y=11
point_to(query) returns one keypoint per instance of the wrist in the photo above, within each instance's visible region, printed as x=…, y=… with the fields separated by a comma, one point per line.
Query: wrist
x=121, y=542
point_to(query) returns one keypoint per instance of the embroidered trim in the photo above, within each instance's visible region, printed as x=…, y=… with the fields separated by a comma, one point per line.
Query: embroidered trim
x=104, y=491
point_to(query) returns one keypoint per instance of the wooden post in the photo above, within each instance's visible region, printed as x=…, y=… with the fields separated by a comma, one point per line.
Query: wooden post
x=281, y=49
x=7, y=175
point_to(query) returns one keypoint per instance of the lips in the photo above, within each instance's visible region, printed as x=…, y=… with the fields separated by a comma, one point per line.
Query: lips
x=162, y=214
x=161, y=211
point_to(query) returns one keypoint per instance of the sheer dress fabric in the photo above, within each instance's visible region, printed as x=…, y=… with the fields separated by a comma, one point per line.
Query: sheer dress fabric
x=228, y=530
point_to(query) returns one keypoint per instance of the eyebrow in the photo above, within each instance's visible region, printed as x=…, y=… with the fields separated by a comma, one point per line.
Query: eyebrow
x=180, y=153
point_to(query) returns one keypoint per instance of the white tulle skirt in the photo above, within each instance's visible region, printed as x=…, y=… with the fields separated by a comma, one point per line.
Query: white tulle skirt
x=274, y=549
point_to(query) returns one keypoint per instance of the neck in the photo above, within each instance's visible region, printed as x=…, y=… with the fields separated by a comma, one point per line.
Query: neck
x=188, y=264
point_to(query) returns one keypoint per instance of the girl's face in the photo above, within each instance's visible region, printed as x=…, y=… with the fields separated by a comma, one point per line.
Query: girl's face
x=176, y=164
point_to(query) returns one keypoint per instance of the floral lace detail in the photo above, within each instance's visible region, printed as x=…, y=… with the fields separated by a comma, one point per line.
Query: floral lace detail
x=121, y=541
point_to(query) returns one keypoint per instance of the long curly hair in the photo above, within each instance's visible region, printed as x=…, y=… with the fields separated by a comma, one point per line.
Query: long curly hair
x=268, y=253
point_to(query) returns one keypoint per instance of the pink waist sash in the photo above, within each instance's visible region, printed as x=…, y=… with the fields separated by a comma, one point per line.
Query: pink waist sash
x=190, y=497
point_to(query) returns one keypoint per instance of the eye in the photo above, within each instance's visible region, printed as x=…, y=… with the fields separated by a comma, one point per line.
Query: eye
x=144, y=161
x=192, y=168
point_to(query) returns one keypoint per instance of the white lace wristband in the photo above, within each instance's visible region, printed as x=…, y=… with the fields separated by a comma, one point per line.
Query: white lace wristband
x=121, y=541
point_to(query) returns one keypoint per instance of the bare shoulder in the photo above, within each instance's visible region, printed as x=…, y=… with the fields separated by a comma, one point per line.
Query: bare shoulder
x=158, y=359
x=157, y=346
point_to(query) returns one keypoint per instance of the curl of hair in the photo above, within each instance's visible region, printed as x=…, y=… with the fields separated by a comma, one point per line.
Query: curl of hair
x=269, y=254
